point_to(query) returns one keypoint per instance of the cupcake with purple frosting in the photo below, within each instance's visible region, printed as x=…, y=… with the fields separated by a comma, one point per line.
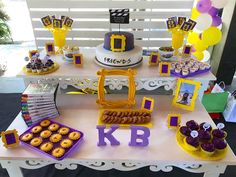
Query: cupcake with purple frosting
x=219, y=144
x=192, y=125
x=208, y=149
x=218, y=133
x=184, y=131
x=191, y=144
x=204, y=136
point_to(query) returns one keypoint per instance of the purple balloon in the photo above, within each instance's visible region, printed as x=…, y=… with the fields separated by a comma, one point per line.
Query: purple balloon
x=216, y=21
x=203, y=6
x=213, y=11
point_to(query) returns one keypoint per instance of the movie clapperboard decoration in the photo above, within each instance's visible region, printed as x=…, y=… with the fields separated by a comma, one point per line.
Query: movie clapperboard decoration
x=120, y=16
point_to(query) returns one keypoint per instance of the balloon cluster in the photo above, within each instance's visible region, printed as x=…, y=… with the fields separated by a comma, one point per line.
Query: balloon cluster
x=59, y=28
x=206, y=15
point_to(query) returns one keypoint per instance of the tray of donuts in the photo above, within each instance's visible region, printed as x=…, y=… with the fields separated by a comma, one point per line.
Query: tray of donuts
x=52, y=139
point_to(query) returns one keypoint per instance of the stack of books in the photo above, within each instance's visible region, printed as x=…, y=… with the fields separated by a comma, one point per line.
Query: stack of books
x=38, y=102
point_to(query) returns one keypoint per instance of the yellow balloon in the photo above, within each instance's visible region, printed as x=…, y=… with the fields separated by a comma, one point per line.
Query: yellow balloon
x=193, y=38
x=195, y=14
x=200, y=46
x=199, y=55
x=211, y=36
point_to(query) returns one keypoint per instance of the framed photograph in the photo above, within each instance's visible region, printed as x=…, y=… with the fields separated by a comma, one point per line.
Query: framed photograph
x=164, y=68
x=186, y=26
x=174, y=120
x=193, y=23
x=170, y=23
x=131, y=88
x=154, y=58
x=78, y=59
x=148, y=104
x=186, y=94
x=187, y=50
x=57, y=23
x=46, y=21
x=181, y=20
x=10, y=138
x=68, y=22
x=117, y=43
x=50, y=48
x=32, y=53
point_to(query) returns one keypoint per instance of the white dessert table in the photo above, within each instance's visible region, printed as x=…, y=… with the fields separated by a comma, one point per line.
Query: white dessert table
x=81, y=112
x=147, y=78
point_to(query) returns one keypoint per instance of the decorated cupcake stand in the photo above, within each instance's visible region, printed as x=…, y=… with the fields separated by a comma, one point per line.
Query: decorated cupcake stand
x=110, y=138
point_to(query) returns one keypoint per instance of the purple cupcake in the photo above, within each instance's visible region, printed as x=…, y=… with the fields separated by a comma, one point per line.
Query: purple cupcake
x=217, y=133
x=208, y=148
x=219, y=144
x=185, y=131
x=201, y=127
x=204, y=136
x=192, y=125
x=192, y=141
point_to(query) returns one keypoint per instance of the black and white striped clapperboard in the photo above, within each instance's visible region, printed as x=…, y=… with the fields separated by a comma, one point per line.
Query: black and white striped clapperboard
x=119, y=16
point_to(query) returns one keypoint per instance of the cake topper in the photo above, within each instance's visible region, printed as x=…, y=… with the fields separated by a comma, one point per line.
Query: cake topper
x=220, y=126
x=120, y=16
x=194, y=134
x=206, y=126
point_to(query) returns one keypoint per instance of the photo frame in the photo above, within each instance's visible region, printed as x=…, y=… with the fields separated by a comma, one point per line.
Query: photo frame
x=57, y=23
x=46, y=21
x=147, y=104
x=68, y=22
x=186, y=26
x=118, y=43
x=187, y=50
x=192, y=22
x=50, y=48
x=186, y=94
x=32, y=53
x=10, y=138
x=154, y=58
x=170, y=23
x=131, y=86
x=78, y=59
x=181, y=20
x=164, y=68
x=173, y=121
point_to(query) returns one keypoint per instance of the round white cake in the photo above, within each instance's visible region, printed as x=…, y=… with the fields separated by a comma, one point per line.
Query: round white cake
x=108, y=58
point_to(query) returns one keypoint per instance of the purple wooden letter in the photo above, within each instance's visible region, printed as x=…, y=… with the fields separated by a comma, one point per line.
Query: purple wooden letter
x=102, y=135
x=135, y=136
